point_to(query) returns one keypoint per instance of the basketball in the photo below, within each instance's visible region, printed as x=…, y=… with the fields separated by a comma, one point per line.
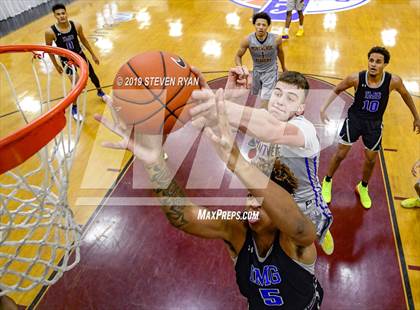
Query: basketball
x=151, y=91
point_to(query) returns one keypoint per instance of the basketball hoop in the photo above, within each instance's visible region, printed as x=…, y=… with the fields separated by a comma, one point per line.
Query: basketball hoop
x=37, y=232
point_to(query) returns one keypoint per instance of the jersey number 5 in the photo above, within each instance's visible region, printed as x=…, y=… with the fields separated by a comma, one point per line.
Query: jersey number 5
x=271, y=296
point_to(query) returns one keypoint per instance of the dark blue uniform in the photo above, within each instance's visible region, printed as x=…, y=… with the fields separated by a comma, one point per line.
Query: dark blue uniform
x=70, y=41
x=67, y=40
x=365, y=114
x=276, y=282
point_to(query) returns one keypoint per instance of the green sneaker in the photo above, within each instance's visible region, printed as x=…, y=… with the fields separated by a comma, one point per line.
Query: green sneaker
x=411, y=203
x=364, y=196
x=327, y=244
x=326, y=190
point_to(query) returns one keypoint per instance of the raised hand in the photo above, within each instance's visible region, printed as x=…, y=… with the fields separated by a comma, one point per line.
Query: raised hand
x=205, y=112
x=221, y=134
x=238, y=84
x=324, y=117
x=147, y=148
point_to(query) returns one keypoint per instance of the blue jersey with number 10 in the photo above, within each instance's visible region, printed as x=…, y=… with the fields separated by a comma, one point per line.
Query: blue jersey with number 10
x=276, y=281
x=68, y=40
x=370, y=103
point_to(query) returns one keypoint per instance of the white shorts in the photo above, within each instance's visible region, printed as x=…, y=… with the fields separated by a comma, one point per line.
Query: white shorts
x=264, y=81
x=319, y=214
x=295, y=5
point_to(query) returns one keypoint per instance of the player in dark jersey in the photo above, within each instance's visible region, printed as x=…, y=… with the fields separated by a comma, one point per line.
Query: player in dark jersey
x=364, y=117
x=275, y=253
x=66, y=33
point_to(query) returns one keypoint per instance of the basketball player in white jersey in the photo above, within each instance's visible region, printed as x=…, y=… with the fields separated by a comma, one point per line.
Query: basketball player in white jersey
x=283, y=132
x=265, y=48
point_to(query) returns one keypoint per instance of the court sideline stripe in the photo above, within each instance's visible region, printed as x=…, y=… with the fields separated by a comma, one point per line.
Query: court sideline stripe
x=403, y=264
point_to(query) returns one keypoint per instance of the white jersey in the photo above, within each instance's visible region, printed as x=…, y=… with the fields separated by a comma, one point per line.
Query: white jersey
x=302, y=161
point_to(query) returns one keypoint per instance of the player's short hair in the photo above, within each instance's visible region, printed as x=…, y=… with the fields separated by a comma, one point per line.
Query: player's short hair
x=262, y=15
x=295, y=78
x=58, y=6
x=284, y=177
x=380, y=50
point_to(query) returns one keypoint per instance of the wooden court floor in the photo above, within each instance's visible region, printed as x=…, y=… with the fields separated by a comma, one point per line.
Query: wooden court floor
x=333, y=46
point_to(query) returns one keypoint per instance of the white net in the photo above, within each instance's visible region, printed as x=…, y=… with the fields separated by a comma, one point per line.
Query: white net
x=39, y=239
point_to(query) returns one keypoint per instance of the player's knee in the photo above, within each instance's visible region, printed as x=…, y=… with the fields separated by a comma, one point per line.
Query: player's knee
x=289, y=13
x=370, y=160
x=340, y=155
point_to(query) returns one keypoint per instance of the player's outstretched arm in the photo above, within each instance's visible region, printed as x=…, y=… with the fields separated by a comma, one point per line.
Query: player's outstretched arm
x=278, y=203
x=259, y=123
x=349, y=81
x=398, y=85
x=85, y=42
x=180, y=212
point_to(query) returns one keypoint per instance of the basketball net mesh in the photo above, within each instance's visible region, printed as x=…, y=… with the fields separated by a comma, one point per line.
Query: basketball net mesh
x=39, y=240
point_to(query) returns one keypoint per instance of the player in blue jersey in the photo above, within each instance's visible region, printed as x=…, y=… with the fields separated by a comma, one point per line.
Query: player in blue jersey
x=364, y=117
x=66, y=33
x=275, y=254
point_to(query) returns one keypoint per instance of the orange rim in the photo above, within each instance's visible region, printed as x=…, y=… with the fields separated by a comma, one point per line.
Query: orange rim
x=18, y=146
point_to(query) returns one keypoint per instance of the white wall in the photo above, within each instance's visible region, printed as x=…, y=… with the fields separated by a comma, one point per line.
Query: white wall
x=10, y=8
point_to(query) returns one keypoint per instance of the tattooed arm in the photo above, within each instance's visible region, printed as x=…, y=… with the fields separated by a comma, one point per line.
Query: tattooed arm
x=181, y=212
